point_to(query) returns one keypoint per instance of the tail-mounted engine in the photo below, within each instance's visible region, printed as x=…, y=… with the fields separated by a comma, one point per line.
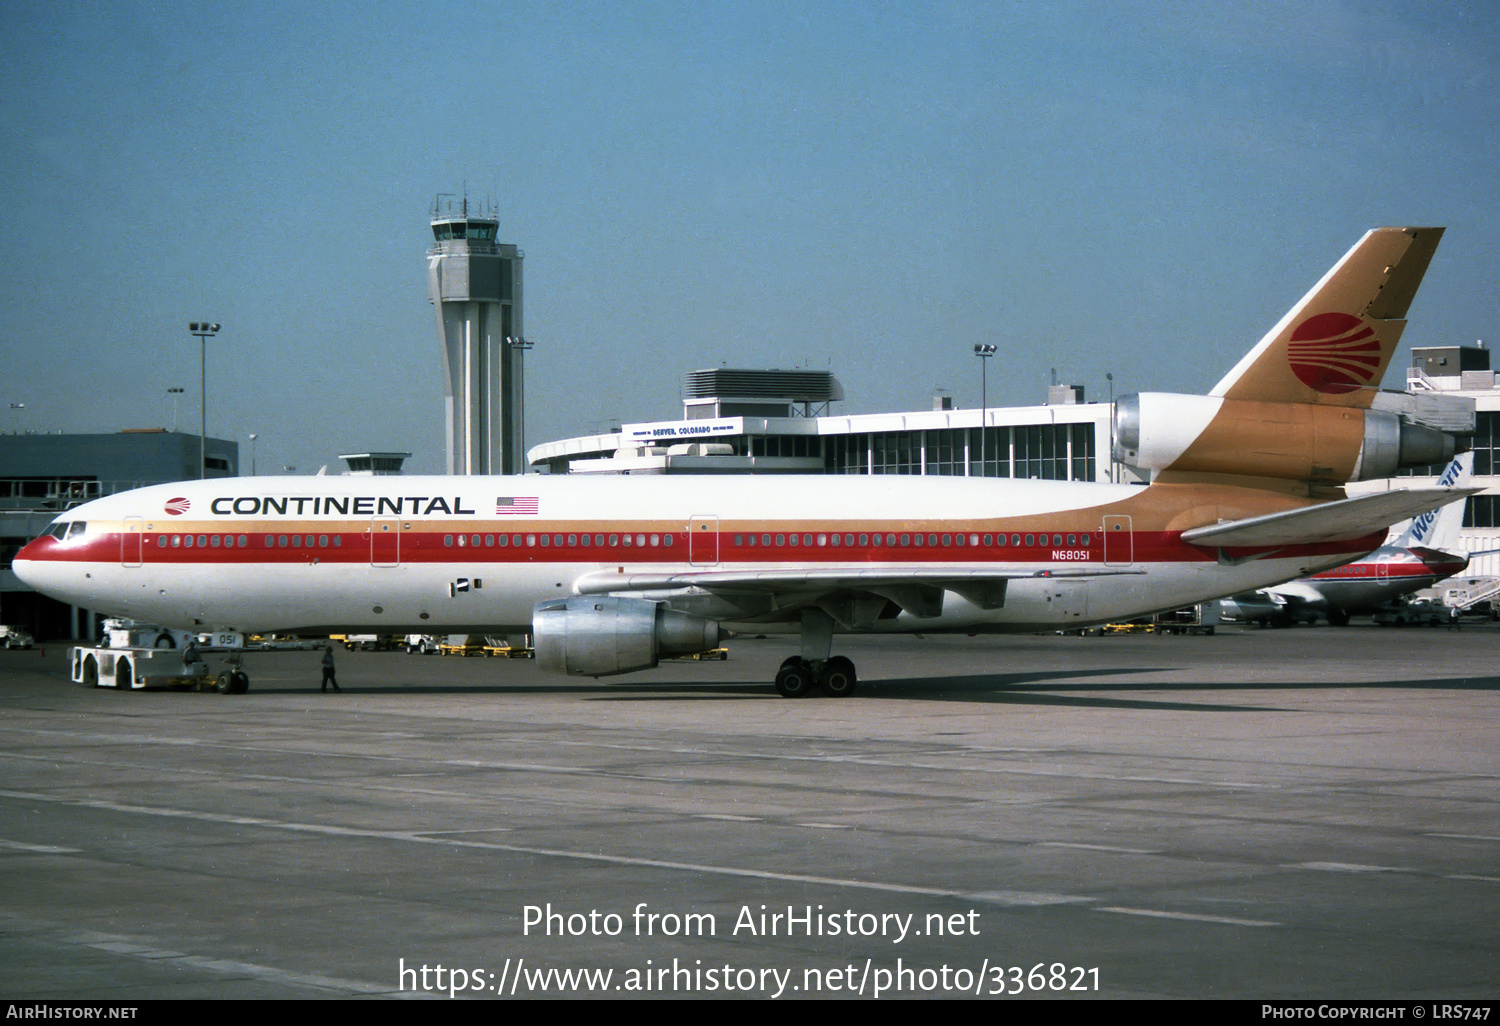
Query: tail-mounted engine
x=589, y=636
x=1297, y=441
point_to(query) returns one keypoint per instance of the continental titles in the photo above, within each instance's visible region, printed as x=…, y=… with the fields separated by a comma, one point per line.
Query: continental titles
x=343, y=505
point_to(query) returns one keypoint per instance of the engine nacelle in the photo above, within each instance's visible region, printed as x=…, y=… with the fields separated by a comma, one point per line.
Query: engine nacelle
x=1298, y=441
x=589, y=636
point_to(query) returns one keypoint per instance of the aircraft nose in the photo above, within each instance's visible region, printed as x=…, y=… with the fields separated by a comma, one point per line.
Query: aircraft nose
x=31, y=563
x=21, y=562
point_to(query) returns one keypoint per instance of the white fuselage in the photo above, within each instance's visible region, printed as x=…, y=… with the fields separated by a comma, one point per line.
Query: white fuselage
x=433, y=554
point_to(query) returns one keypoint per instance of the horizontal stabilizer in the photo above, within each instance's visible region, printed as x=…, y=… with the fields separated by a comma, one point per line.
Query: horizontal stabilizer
x=1331, y=521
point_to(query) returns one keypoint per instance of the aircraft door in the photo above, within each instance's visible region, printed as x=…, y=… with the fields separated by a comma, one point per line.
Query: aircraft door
x=385, y=542
x=1119, y=542
x=130, y=541
x=703, y=540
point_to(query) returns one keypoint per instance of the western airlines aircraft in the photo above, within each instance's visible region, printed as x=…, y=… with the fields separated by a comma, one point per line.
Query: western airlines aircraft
x=612, y=573
x=1423, y=554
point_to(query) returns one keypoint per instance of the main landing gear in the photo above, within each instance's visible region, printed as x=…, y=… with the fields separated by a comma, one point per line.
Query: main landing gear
x=799, y=673
x=797, y=677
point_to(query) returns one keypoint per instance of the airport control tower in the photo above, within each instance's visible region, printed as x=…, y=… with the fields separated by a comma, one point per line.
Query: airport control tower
x=475, y=287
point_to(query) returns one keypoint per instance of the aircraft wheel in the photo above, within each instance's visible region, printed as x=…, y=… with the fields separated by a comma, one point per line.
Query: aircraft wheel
x=239, y=682
x=839, y=679
x=225, y=684
x=794, y=679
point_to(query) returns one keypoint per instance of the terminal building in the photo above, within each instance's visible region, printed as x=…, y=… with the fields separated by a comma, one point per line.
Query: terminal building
x=776, y=422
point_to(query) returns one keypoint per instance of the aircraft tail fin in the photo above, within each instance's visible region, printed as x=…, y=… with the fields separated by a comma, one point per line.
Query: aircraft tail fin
x=1439, y=528
x=1333, y=347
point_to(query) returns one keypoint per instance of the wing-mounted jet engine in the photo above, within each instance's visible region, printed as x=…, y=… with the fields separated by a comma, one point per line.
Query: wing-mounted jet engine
x=598, y=636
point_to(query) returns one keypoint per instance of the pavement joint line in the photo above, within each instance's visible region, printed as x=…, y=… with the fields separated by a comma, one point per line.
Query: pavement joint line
x=1191, y=917
x=850, y=760
x=1021, y=898
x=1346, y=867
x=149, y=948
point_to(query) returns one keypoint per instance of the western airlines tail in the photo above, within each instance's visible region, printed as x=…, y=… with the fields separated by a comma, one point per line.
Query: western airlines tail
x=1333, y=347
x=1439, y=529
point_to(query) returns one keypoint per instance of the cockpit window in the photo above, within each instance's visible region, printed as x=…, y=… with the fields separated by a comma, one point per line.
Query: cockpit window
x=65, y=530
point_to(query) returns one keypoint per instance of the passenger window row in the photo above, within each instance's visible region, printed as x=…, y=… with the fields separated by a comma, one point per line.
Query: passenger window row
x=76, y=529
x=913, y=540
x=557, y=540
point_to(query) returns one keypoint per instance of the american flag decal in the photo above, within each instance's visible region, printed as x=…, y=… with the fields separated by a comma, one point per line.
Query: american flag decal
x=516, y=505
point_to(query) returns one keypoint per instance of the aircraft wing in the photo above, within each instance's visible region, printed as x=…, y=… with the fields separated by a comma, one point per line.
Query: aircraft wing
x=605, y=583
x=1331, y=521
x=853, y=597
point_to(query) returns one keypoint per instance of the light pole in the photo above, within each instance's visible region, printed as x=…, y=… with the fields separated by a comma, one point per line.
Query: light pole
x=520, y=345
x=204, y=331
x=1111, y=379
x=252, y=455
x=984, y=352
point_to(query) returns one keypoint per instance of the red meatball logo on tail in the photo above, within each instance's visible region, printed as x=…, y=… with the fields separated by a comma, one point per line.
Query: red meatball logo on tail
x=1334, y=353
x=178, y=506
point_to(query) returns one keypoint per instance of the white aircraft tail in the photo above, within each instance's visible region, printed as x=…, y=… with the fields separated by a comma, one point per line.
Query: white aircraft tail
x=1439, y=528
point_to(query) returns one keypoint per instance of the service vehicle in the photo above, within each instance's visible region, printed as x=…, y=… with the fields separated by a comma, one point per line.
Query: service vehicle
x=15, y=637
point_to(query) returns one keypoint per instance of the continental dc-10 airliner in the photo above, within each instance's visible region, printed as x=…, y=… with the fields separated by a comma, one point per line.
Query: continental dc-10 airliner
x=610, y=574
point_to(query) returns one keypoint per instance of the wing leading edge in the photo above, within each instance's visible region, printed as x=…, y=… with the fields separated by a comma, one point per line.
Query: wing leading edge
x=917, y=590
x=607, y=583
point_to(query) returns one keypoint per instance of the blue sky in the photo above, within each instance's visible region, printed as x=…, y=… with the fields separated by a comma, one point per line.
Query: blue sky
x=1132, y=188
